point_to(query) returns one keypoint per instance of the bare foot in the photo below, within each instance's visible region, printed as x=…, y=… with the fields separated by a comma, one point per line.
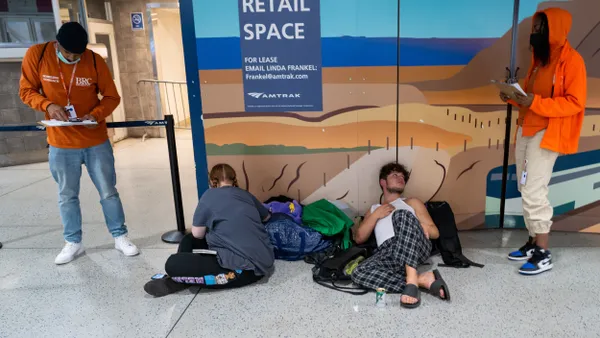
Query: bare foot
x=408, y=299
x=425, y=281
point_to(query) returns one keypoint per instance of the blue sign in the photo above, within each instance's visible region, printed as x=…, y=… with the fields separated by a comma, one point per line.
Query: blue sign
x=137, y=21
x=281, y=55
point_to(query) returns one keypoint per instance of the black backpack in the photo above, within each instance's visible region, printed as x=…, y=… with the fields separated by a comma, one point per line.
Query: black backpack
x=329, y=268
x=448, y=244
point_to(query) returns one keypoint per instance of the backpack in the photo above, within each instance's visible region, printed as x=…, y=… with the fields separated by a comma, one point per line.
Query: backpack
x=292, y=241
x=448, y=244
x=329, y=269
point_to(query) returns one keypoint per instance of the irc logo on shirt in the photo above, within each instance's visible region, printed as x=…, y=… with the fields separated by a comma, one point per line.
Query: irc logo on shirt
x=83, y=81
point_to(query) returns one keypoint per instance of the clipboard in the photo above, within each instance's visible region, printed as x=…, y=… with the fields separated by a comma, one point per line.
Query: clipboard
x=56, y=123
x=509, y=89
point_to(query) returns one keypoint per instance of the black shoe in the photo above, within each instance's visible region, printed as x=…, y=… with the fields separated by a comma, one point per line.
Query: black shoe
x=540, y=261
x=524, y=253
x=164, y=286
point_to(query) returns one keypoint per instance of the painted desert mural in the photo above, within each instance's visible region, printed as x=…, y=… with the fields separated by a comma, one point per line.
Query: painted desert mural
x=432, y=107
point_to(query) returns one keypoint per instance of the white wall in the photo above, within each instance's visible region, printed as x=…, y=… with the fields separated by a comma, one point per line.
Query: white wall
x=166, y=26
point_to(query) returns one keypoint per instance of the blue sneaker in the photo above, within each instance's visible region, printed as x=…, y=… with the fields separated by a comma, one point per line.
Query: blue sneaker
x=524, y=253
x=540, y=261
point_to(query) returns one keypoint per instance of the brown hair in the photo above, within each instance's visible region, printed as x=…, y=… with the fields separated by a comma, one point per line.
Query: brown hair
x=222, y=173
x=389, y=168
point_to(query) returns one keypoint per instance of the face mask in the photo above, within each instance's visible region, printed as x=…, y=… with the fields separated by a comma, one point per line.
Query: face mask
x=64, y=59
x=536, y=40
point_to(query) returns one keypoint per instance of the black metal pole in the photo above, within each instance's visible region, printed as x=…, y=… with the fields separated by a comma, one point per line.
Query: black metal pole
x=174, y=236
x=512, y=76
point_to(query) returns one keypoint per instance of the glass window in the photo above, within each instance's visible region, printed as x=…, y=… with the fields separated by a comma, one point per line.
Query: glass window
x=18, y=30
x=26, y=21
x=105, y=39
x=69, y=10
x=96, y=9
x=45, y=30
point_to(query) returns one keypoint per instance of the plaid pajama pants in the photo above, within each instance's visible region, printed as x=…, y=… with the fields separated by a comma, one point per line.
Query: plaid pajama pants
x=387, y=267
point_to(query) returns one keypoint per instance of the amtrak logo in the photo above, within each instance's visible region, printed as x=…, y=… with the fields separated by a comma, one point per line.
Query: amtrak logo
x=150, y=123
x=40, y=127
x=257, y=95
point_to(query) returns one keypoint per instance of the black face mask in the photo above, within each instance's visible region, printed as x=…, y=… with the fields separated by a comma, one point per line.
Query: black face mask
x=536, y=40
x=541, y=47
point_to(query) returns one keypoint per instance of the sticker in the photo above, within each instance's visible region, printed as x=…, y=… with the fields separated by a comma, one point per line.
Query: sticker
x=231, y=275
x=238, y=271
x=199, y=280
x=158, y=276
x=221, y=279
x=210, y=280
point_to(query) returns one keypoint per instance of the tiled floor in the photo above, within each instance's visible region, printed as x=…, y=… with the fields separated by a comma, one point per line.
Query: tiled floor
x=101, y=294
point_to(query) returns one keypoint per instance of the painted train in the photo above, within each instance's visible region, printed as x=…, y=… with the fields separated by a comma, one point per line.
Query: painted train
x=575, y=183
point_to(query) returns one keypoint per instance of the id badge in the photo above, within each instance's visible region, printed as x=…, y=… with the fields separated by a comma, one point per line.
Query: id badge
x=523, y=178
x=71, y=111
x=524, y=174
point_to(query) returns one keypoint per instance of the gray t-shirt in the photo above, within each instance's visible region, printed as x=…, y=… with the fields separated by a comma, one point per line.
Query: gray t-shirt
x=233, y=218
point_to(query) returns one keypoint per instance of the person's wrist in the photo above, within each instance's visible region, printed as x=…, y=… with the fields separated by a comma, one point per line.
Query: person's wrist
x=48, y=107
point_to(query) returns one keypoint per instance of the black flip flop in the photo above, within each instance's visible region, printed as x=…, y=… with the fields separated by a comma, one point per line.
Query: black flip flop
x=438, y=285
x=411, y=290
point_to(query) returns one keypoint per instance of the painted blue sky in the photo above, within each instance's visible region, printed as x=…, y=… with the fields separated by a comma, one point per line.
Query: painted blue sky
x=377, y=18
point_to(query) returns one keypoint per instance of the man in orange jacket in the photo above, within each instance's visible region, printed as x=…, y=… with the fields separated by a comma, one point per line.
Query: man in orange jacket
x=549, y=124
x=62, y=79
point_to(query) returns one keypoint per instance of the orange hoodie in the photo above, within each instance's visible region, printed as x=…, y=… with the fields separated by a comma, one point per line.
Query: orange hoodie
x=41, y=85
x=560, y=90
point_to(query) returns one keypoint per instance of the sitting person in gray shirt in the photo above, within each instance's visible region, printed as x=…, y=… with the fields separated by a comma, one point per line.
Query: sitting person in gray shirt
x=229, y=246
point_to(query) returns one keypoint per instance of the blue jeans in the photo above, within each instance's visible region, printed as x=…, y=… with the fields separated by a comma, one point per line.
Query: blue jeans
x=65, y=165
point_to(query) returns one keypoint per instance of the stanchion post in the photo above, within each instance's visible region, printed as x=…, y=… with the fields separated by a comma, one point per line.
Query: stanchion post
x=174, y=236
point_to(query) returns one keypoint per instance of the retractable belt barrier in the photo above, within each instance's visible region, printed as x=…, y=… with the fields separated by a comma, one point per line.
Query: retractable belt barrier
x=173, y=236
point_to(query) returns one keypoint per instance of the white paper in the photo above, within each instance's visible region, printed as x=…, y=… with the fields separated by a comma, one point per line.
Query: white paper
x=514, y=87
x=204, y=251
x=57, y=123
x=518, y=87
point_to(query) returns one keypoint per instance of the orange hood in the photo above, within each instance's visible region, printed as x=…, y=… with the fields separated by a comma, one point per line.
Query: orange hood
x=559, y=24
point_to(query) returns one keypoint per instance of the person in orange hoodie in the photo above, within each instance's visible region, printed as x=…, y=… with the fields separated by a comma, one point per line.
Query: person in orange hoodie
x=550, y=120
x=62, y=78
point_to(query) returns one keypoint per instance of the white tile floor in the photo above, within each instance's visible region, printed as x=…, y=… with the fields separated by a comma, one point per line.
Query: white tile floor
x=101, y=295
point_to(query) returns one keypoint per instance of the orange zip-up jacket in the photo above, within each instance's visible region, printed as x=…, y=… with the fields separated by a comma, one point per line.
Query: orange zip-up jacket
x=563, y=111
x=41, y=85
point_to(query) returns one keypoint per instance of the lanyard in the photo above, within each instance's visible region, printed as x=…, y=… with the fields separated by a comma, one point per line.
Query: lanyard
x=62, y=78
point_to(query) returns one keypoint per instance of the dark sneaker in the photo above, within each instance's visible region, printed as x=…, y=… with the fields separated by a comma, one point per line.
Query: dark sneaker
x=164, y=286
x=524, y=253
x=540, y=261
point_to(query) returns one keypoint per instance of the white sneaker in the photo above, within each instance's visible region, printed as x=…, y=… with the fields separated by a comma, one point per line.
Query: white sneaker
x=69, y=252
x=123, y=244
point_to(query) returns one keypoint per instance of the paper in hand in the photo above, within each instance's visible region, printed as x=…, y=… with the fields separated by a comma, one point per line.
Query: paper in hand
x=509, y=89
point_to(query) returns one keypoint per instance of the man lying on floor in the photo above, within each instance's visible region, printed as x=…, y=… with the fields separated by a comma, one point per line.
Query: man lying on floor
x=229, y=222
x=402, y=230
